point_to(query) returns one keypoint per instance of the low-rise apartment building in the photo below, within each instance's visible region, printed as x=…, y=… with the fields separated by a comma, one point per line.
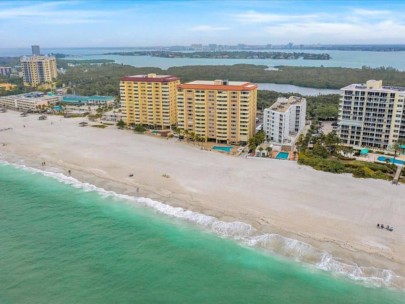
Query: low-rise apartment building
x=74, y=104
x=149, y=100
x=371, y=115
x=30, y=102
x=284, y=120
x=220, y=110
x=7, y=86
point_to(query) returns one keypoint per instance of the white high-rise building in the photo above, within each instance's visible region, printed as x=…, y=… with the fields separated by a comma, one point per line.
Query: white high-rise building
x=285, y=119
x=371, y=115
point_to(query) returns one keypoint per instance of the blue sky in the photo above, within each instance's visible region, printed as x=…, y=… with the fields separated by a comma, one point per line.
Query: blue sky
x=151, y=23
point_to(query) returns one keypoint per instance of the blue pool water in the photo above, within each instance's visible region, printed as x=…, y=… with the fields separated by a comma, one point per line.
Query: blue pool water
x=223, y=149
x=282, y=155
x=392, y=161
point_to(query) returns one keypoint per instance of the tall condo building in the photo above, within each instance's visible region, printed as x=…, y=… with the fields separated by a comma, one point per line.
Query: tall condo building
x=221, y=111
x=149, y=100
x=38, y=70
x=371, y=115
x=285, y=119
x=35, y=50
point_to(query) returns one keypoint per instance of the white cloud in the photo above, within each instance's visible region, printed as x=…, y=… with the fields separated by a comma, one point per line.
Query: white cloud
x=349, y=26
x=255, y=17
x=334, y=32
x=209, y=28
x=55, y=13
x=366, y=12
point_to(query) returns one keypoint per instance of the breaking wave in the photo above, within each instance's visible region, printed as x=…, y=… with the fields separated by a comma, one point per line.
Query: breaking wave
x=246, y=235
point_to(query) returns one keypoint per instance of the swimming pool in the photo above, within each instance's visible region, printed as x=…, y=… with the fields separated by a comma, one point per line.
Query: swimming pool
x=283, y=155
x=223, y=149
x=392, y=161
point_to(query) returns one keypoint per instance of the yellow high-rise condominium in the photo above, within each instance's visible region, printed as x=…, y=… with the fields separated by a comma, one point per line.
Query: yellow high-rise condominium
x=38, y=70
x=149, y=100
x=221, y=111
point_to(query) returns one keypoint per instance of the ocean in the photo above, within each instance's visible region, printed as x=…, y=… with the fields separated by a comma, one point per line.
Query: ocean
x=348, y=59
x=63, y=241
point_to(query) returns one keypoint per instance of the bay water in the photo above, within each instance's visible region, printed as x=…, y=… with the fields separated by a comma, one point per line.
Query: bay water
x=347, y=59
x=63, y=244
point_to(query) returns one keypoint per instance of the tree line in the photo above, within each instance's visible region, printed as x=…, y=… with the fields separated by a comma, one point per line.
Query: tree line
x=88, y=75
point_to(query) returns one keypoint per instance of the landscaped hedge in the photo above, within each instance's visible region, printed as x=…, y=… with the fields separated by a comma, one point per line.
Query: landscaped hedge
x=359, y=169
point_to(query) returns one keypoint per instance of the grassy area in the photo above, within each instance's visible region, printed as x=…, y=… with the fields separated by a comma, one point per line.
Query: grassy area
x=359, y=169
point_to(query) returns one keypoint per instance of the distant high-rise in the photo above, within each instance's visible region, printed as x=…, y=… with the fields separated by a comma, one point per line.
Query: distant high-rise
x=6, y=71
x=38, y=70
x=35, y=50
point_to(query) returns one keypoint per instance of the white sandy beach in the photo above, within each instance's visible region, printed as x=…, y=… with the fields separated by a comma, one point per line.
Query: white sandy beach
x=335, y=213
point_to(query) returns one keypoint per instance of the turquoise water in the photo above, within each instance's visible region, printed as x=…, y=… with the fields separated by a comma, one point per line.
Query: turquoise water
x=60, y=244
x=223, y=149
x=392, y=161
x=282, y=155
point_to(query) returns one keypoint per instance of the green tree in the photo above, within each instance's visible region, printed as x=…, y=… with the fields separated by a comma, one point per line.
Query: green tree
x=252, y=144
x=120, y=124
x=331, y=141
x=139, y=129
x=320, y=150
x=260, y=136
x=269, y=149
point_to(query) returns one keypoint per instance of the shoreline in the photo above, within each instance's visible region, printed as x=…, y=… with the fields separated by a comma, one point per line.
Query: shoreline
x=178, y=191
x=243, y=233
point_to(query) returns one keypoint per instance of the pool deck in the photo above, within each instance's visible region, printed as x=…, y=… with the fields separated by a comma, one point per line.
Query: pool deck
x=290, y=155
x=373, y=157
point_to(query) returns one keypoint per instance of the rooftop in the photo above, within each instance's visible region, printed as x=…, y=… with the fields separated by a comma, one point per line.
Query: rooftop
x=85, y=99
x=224, y=85
x=36, y=58
x=283, y=104
x=375, y=85
x=30, y=97
x=150, y=78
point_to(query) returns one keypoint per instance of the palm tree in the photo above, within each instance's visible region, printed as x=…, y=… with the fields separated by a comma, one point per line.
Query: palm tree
x=176, y=130
x=269, y=149
x=397, y=147
x=252, y=143
x=192, y=136
x=299, y=145
x=261, y=150
x=186, y=134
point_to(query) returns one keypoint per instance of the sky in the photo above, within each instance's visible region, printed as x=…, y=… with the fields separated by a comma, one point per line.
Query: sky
x=124, y=23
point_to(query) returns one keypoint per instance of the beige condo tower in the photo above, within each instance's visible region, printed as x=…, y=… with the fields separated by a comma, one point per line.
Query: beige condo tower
x=38, y=70
x=220, y=110
x=149, y=100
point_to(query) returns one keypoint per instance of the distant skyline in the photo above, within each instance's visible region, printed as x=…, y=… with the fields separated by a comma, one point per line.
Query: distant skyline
x=164, y=23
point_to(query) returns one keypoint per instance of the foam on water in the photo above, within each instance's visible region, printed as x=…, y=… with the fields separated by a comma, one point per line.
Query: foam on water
x=245, y=234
